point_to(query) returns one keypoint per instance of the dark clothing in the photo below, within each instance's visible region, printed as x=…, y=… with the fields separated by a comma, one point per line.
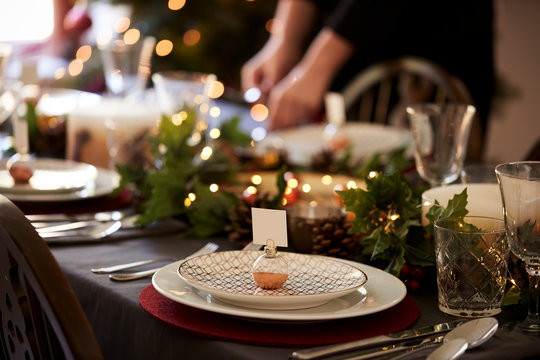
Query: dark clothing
x=458, y=35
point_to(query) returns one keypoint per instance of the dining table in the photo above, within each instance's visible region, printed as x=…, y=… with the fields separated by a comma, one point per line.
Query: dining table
x=126, y=330
x=131, y=320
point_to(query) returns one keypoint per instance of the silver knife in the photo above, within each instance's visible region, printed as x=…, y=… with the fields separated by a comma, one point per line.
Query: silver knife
x=314, y=353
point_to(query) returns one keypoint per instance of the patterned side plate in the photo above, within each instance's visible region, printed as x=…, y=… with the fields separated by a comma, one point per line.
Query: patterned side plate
x=313, y=280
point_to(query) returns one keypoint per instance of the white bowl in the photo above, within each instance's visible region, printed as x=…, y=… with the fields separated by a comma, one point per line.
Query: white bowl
x=482, y=199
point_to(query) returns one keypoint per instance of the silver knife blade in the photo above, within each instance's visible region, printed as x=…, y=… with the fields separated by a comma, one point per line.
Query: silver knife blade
x=314, y=353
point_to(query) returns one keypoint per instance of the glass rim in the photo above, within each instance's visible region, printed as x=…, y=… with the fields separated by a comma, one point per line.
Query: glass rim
x=499, y=169
x=412, y=108
x=437, y=224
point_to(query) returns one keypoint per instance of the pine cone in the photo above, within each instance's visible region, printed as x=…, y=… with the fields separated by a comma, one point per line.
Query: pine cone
x=323, y=161
x=240, y=228
x=331, y=237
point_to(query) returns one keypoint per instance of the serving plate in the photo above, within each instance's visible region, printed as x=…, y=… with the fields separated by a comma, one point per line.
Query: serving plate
x=303, y=142
x=312, y=281
x=381, y=292
x=103, y=184
x=50, y=176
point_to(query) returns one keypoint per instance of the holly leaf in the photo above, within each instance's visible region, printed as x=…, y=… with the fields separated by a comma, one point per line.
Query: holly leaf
x=208, y=214
x=231, y=132
x=456, y=207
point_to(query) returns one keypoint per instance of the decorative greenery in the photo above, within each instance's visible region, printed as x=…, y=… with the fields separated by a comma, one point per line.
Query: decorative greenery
x=177, y=182
x=389, y=216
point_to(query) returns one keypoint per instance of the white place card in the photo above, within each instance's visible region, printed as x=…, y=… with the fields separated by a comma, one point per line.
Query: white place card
x=269, y=224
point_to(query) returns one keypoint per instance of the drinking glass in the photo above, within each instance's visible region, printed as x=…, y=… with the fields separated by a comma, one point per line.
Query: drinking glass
x=471, y=255
x=441, y=134
x=519, y=183
x=120, y=66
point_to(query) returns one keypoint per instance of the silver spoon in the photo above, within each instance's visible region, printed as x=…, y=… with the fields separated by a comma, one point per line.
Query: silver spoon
x=466, y=336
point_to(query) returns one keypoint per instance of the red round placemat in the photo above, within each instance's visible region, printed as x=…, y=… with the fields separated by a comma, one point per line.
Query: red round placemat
x=223, y=327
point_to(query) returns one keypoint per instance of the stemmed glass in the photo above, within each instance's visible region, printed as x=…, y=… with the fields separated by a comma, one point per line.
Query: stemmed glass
x=441, y=134
x=520, y=191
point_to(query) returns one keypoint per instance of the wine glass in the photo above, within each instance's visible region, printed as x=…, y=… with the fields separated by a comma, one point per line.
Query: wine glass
x=441, y=134
x=519, y=183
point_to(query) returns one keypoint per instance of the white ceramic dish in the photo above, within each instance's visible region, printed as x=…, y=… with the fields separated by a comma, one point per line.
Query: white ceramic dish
x=105, y=182
x=482, y=199
x=50, y=176
x=302, y=143
x=381, y=292
x=312, y=281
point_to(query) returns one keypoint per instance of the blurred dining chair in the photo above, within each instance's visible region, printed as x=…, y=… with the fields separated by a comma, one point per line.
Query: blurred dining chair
x=40, y=316
x=381, y=93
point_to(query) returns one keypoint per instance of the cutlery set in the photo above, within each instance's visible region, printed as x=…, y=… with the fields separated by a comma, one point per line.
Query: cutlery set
x=460, y=336
x=91, y=226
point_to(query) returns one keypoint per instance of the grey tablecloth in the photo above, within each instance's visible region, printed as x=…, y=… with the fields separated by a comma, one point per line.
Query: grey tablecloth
x=125, y=331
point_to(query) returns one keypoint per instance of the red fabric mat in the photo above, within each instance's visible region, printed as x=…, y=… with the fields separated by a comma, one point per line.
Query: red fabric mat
x=223, y=327
x=101, y=203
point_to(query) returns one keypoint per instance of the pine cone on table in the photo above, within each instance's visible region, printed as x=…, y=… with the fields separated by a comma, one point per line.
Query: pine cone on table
x=240, y=228
x=323, y=161
x=331, y=237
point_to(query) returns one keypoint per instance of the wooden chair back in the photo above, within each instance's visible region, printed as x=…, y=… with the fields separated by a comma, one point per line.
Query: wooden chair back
x=381, y=93
x=40, y=316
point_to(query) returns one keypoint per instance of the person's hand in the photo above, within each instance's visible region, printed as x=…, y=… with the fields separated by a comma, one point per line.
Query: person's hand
x=297, y=97
x=268, y=67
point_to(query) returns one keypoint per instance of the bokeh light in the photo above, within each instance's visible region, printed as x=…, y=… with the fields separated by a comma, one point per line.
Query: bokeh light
x=256, y=179
x=215, y=133
x=214, y=187
x=164, y=47
x=216, y=89
x=258, y=134
x=215, y=111
x=59, y=73
x=252, y=94
x=122, y=24
x=84, y=53
x=306, y=188
x=206, y=152
x=259, y=112
x=326, y=179
x=75, y=67
x=132, y=36
x=192, y=37
x=176, y=4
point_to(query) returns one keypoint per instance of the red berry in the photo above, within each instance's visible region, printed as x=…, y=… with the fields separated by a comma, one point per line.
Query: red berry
x=417, y=272
x=412, y=284
x=405, y=270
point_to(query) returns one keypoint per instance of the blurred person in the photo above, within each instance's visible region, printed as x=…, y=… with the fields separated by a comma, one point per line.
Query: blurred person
x=294, y=69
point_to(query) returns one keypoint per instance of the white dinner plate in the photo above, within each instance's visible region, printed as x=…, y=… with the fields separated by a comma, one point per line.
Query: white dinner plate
x=381, y=292
x=303, y=142
x=312, y=280
x=105, y=182
x=50, y=176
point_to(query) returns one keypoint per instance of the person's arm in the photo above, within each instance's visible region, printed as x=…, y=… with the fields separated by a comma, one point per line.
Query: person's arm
x=284, y=48
x=299, y=95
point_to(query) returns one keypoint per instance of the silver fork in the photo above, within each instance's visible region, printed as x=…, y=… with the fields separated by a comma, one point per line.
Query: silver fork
x=206, y=249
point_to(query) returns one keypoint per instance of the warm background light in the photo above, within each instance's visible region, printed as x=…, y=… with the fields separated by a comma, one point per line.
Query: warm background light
x=132, y=36
x=192, y=37
x=75, y=67
x=164, y=47
x=216, y=89
x=176, y=4
x=259, y=112
x=29, y=20
x=122, y=24
x=84, y=53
